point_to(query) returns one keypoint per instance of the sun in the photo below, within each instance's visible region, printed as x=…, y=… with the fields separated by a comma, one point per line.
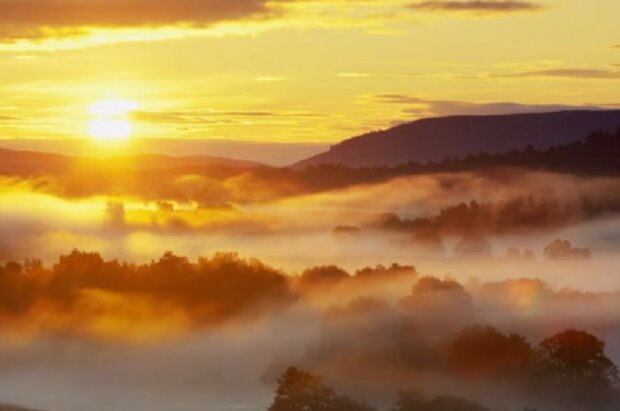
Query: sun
x=111, y=121
x=110, y=129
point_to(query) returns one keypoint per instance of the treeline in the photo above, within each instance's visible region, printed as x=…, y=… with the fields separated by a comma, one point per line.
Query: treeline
x=220, y=186
x=421, y=332
x=222, y=286
x=320, y=279
x=428, y=333
x=568, y=370
x=487, y=218
x=597, y=154
x=208, y=290
x=300, y=390
x=474, y=221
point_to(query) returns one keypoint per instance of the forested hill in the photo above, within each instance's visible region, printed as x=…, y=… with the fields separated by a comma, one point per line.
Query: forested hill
x=434, y=139
x=597, y=154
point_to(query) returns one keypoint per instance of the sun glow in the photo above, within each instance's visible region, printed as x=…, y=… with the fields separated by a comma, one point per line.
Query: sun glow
x=111, y=119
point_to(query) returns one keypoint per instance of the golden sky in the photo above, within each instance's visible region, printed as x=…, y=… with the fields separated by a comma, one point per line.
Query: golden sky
x=297, y=70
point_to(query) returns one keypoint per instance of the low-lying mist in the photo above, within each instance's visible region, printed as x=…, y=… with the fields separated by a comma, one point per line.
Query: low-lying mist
x=215, y=333
x=371, y=286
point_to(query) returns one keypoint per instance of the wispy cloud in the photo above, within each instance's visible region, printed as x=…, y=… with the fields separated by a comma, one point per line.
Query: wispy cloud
x=419, y=107
x=477, y=6
x=609, y=73
x=34, y=25
x=206, y=116
x=568, y=73
x=271, y=79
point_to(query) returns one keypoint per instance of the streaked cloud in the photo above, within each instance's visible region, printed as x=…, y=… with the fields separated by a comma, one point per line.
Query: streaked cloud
x=569, y=73
x=355, y=75
x=35, y=25
x=27, y=18
x=73, y=24
x=477, y=6
x=271, y=79
x=419, y=107
x=205, y=116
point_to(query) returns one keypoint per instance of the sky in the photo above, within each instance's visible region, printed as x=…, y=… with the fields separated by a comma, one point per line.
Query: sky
x=295, y=71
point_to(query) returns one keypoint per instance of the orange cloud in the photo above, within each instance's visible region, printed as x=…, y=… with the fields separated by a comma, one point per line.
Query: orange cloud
x=24, y=19
x=53, y=19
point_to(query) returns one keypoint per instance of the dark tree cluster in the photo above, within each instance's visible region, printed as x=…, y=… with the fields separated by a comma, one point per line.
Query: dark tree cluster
x=322, y=278
x=573, y=365
x=412, y=400
x=477, y=219
x=210, y=289
x=568, y=370
x=346, y=231
x=299, y=390
x=431, y=294
x=483, y=351
x=562, y=249
x=424, y=333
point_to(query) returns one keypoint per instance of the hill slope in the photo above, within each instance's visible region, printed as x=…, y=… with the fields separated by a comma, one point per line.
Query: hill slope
x=277, y=154
x=19, y=162
x=6, y=407
x=435, y=139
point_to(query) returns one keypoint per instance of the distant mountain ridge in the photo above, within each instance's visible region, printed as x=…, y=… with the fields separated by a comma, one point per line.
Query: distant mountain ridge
x=435, y=139
x=278, y=154
x=15, y=162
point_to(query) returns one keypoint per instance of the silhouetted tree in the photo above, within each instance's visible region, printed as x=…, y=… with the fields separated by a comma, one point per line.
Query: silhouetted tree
x=212, y=289
x=447, y=403
x=435, y=294
x=483, y=351
x=439, y=301
x=473, y=246
x=299, y=390
x=18, y=288
x=559, y=249
x=319, y=278
x=573, y=364
x=472, y=221
x=382, y=272
x=410, y=400
x=346, y=231
x=417, y=401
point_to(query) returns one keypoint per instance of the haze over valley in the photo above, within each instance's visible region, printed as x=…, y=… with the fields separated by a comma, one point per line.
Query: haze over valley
x=252, y=205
